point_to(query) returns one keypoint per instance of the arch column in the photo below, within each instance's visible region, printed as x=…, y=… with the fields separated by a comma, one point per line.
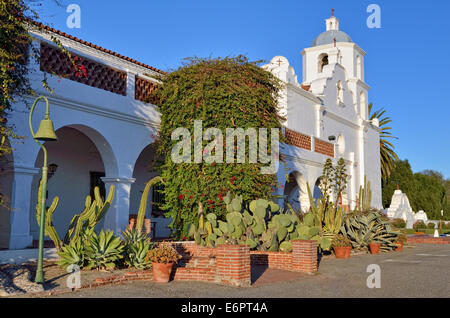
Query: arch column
x=20, y=236
x=116, y=218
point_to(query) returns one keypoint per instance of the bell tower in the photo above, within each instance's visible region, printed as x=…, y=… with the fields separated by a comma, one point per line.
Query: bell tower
x=335, y=47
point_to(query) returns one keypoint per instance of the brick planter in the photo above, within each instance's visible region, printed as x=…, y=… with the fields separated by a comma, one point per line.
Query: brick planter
x=304, y=256
x=274, y=260
x=233, y=265
x=226, y=264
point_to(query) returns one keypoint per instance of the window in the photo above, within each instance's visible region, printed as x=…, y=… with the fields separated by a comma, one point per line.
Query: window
x=323, y=60
x=358, y=67
x=362, y=104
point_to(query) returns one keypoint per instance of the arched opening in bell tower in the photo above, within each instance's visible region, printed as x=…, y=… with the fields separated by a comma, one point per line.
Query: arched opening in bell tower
x=322, y=61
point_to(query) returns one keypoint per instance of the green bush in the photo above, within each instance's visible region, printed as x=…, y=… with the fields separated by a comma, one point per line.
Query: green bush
x=419, y=225
x=431, y=225
x=222, y=93
x=398, y=223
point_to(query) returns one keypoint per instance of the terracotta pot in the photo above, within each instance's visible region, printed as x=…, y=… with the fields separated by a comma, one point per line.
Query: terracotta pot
x=161, y=272
x=348, y=251
x=374, y=248
x=399, y=247
x=340, y=251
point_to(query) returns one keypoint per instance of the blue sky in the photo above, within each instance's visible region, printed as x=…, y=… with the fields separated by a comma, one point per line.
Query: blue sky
x=407, y=63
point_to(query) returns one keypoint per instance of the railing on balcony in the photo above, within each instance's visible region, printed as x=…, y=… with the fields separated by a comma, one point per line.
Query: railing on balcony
x=144, y=89
x=303, y=141
x=297, y=139
x=98, y=75
x=323, y=147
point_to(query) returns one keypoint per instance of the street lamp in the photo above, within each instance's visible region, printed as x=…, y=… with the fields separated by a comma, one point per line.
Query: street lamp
x=44, y=133
x=440, y=223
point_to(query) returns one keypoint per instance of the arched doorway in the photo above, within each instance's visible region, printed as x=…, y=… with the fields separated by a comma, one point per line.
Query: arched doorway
x=77, y=162
x=295, y=192
x=6, y=186
x=142, y=173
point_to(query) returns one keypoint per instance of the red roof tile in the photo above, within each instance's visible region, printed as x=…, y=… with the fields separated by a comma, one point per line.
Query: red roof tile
x=50, y=29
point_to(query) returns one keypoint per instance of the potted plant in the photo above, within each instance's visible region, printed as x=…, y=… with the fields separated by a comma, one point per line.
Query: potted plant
x=342, y=246
x=401, y=239
x=374, y=247
x=163, y=257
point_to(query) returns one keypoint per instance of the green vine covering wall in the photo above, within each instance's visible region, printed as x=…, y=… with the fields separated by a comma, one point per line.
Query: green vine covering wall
x=223, y=93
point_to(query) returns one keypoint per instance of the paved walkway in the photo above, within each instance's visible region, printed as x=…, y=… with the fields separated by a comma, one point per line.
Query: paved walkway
x=420, y=271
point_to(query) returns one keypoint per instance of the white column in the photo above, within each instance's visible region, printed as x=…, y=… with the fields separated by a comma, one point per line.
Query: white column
x=131, y=83
x=361, y=150
x=317, y=125
x=352, y=195
x=116, y=218
x=20, y=207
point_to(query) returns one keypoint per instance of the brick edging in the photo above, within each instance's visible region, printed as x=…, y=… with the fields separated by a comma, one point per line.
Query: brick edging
x=428, y=240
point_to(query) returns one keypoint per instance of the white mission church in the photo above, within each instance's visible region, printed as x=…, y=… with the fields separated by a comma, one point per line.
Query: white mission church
x=106, y=132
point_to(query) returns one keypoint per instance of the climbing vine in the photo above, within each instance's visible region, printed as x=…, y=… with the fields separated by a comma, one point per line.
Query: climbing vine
x=224, y=93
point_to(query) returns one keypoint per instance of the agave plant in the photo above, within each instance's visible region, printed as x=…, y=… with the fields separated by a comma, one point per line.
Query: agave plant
x=72, y=254
x=371, y=228
x=136, y=246
x=103, y=251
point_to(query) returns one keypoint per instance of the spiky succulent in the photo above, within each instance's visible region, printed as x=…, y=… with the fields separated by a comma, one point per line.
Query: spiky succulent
x=136, y=246
x=72, y=254
x=103, y=251
x=371, y=228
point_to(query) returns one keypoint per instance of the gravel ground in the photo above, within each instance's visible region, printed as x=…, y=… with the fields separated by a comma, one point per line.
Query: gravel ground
x=15, y=279
x=417, y=271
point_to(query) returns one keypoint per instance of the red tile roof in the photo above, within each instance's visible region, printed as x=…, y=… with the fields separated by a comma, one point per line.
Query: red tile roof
x=50, y=29
x=306, y=87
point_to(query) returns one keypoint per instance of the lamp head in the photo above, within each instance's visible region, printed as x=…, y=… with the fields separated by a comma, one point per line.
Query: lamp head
x=46, y=132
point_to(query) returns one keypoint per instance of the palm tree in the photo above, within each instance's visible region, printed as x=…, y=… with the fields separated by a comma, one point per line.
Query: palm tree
x=388, y=157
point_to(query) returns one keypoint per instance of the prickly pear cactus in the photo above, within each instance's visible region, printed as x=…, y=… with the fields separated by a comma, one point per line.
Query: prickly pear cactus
x=258, y=224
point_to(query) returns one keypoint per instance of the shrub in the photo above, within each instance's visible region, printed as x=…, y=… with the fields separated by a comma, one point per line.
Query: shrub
x=223, y=93
x=398, y=223
x=164, y=253
x=419, y=225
